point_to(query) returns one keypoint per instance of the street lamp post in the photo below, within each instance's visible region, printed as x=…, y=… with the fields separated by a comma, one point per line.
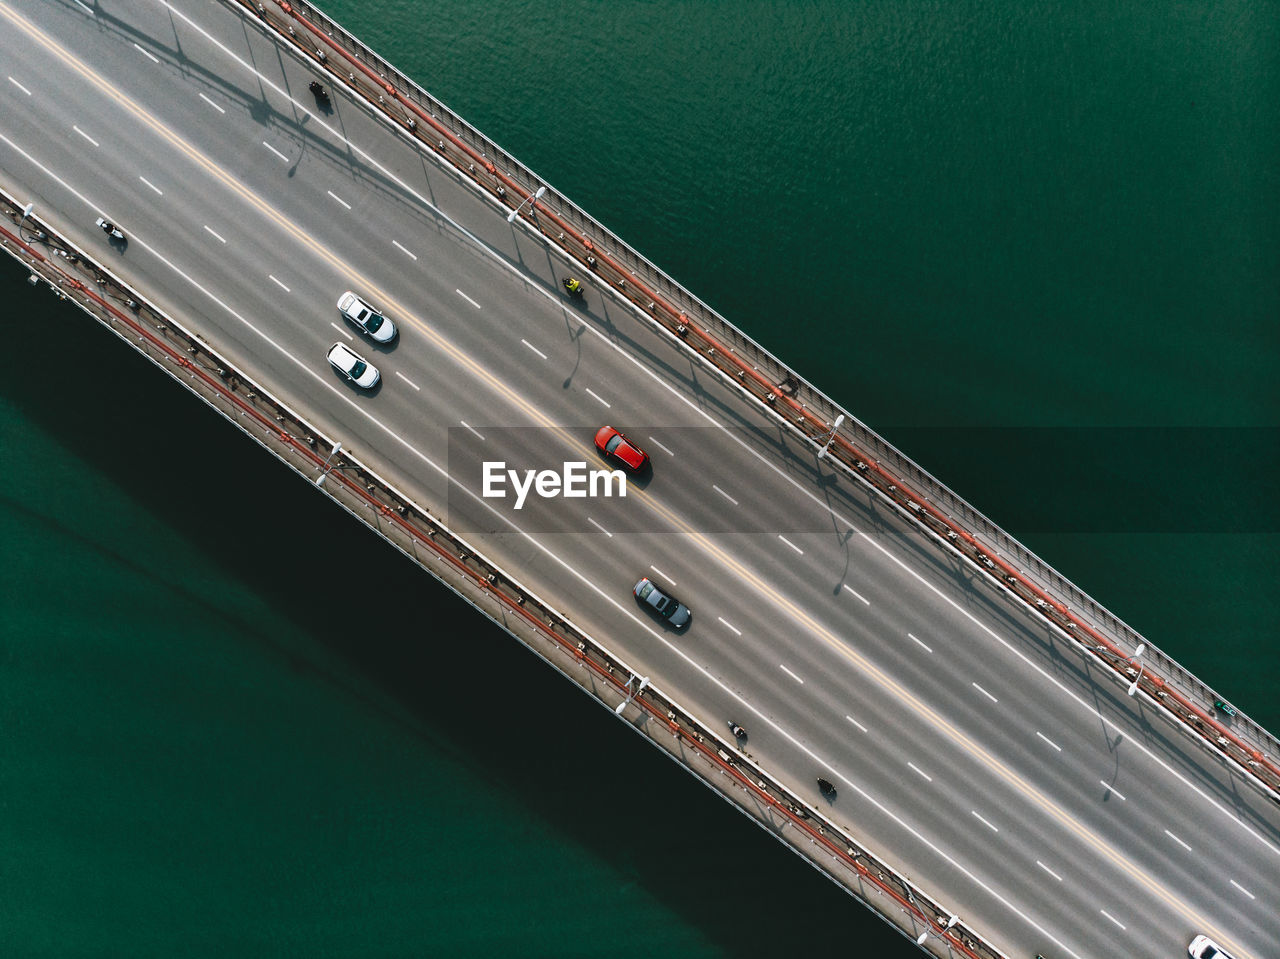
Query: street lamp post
x=533, y=198
x=1142, y=648
x=644, y=681
x=831, y=437
x=325, y=467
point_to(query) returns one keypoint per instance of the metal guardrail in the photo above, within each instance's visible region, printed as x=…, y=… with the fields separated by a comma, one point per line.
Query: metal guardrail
x=722, y=764
x=761, y=376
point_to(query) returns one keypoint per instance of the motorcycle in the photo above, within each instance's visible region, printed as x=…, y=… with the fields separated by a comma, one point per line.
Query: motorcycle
x=739, y=732
x=574, y=287
x=110, y=229
x=320, y=93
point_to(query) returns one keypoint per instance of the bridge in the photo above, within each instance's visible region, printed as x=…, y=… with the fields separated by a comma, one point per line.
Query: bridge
x=1014, y=770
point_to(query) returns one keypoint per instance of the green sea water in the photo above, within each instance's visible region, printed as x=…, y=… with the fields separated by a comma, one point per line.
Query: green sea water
x=954, y=217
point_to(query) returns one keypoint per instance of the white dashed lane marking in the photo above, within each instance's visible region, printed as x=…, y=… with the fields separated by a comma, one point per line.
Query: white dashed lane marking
x=856, y=723
x=669, y=580
x=1049, y=741
x=923, y=645
x=984, y=692
x=730, y=625
x=471, y=428
x=1048, y=870
x=1243, y=889
x=404, y=249
x=20, y=86
x=468, y=299
x=212, y=104
x=85, y=135
x=338, y=198
x=791, y=544
x=599, y=527
x=1177, y=840
x=661, y=447
x=152, y=185
x=275, y=151
x=146, y=53
x=534, y=348
x=214, y=235
x=1112, y=789
x=791, y=674
x=857, y=594
x=984, y=822
x=1112, y=918
x=278, y=283
x=922, y=773
x=724, y=494
x=601, y=399
x=341, y=330
x=407, y=380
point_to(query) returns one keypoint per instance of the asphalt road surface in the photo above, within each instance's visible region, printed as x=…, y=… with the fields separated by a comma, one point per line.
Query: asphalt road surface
x=970, y=746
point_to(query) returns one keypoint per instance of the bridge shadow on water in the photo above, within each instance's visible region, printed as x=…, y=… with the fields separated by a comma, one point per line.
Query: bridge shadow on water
x=414, y=664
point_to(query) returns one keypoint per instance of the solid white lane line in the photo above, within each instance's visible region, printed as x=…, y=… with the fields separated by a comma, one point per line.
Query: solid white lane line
x=468, y=299
x=278, y=283
x=791, y=544
x=341, y=330
x=85, y=135
x=340, y=200
x=407, y=380
x=275, y=151
x=1112, y=918
x=791, y=674
x=606, y=403
x=146, y=53
x=1243, y=889
x=85, y=7
x=730, y=625
x=214, y=235
x=152, y=185
x=669, y=581
x=661, y=447
x=534, y=348
x=724, y=494
x=20, y=86
x=599, y=527
x=1049, y=741
x=404, y=249
x=857, y=594
x=984, y=822
x=216, y=106
x=923, y=645
x=984, y=692
x=1112, y=788
x=1177, y=840
x=856, y=723
x=472, y=428
x=1048, y=870
x=926, y=776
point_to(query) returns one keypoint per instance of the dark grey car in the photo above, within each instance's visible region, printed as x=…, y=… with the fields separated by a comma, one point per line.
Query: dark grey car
x=663, y=603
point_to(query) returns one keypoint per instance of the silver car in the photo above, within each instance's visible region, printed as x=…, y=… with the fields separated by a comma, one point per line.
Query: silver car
x=663, y=603
x=353, y=366
x=379, y=328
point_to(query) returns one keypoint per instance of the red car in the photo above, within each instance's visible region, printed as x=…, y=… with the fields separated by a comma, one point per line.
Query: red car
x=612, y=443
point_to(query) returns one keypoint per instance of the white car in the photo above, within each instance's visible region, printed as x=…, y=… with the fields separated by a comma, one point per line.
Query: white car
x=1202, y=947
x=353, y=366
x=379, y=328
